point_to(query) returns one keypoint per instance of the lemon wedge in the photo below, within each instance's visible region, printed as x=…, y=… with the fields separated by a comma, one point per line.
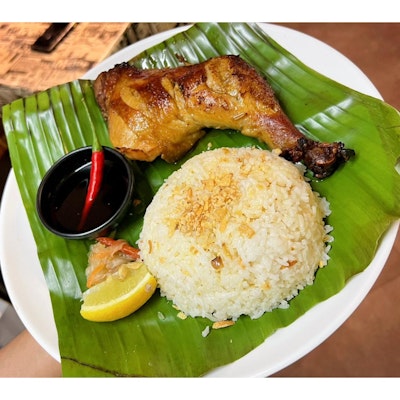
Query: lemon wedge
x=120, y=295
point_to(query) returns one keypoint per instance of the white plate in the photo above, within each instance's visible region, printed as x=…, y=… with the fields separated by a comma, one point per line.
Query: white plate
x=27, y=287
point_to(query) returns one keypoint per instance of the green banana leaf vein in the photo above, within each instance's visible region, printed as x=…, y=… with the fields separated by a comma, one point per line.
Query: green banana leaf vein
x=364, y=195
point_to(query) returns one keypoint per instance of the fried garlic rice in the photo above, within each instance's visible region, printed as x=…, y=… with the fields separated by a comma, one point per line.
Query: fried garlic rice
x=234, y=231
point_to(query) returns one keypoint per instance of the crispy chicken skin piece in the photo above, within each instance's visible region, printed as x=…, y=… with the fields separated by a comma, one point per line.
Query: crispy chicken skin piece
x=163, y=112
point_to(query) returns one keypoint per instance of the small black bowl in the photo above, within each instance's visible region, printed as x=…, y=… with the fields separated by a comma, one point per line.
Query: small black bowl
x=62, y=192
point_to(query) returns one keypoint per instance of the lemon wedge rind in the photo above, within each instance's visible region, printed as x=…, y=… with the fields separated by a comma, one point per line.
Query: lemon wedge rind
x=114, y=298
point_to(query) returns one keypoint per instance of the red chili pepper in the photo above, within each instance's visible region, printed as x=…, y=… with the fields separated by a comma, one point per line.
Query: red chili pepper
x=96, y=177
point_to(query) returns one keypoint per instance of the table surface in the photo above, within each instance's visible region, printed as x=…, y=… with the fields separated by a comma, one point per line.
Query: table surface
x=85, y=46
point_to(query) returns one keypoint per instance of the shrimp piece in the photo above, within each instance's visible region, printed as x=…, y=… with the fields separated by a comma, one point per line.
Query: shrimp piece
x=106, y=257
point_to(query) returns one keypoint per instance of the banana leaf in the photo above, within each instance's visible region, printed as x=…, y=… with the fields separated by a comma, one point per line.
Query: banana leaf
x=364, y=195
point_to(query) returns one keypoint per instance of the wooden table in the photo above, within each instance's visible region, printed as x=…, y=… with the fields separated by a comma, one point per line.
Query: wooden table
x=85, y=46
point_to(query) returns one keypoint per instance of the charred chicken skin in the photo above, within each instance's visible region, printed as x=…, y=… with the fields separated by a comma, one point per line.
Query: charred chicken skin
x=163, y=112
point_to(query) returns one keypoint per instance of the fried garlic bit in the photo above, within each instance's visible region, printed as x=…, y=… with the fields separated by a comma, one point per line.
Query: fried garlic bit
x=217, y=263
x=223, y=324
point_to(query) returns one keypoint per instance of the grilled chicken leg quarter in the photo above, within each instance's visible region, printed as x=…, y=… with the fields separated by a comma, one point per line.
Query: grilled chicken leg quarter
x=163, y=112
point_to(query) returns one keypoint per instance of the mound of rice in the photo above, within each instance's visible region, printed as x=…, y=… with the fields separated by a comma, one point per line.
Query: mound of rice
x=233, y=232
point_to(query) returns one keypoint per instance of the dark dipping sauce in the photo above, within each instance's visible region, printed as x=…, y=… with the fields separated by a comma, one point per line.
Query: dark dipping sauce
x=67, y=202
x=62, y=193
